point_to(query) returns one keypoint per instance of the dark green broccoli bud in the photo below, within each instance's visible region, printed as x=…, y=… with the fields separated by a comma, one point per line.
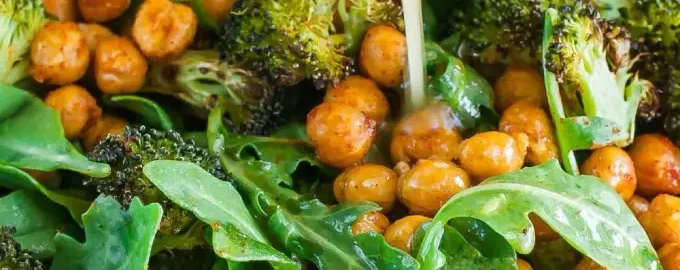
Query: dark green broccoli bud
x=12, y=256
x=254, y=106
x=127, y=155
x=20, y=21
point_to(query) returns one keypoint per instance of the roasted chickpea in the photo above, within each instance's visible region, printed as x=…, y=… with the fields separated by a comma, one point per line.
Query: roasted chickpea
x=638, y=205
x=492, y=153
x=662, y=220
x=614, y=167
x=669, y=255
x=523, y=265
x=360, y=93
x=76, y=107
x=520, y=82
x=383, y=55
x=657, y=164
x=59, y=54
x=163, y=29
x=40, y=176
x=119, y=66
x=341, y=133
x=526, y=117
x=372, y=221
x=429, y=184
x=106, y=125
x=94, y=33
x=426, y=134
x=102, y=10
x=588, y=264
x=543, y=231
x=218, y=9
x=400, y=233
x=64, y=10
x=367, y=182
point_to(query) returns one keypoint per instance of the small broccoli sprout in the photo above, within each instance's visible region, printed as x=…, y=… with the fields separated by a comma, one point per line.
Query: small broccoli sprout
x=12, y=256
x=20, y=21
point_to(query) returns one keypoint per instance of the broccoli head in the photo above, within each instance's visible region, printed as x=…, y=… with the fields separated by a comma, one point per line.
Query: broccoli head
x=12, y=256
x=358, y=15
x=127, y=155
x=20, y=20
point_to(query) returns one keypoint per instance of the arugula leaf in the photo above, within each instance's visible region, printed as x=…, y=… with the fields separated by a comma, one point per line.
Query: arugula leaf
x=584, y=210
x=116, y=239
x=40, y=145
x=383, y=254
x=148, y=110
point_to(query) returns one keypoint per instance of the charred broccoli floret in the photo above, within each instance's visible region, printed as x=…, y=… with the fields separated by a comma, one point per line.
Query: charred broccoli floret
x=127, y=155
x=358, y=15
x=20, y=20
x=12, y=256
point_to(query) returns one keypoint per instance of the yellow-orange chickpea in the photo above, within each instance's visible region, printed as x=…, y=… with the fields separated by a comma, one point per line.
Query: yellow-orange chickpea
x=163, y=29
x=341, y=133
x=519, y=82
x=64, y=10
x=657, y=164
x=40, y=176
x=360, y=93
x=367, y=182
x=492, y=153
x=119, y=67
x=94, y=33
x=372, y=221
x=106, y=125
x=662, y=220
x=669, y=255
x=588, y=264
x=102, y=10
x=615, y=168
x=59, y=54
x=526, y=117
x=429, y=184
x=218, y=9
x=543, y=231
x=77, y=109
x=429, y=133
x=383, y=55
x=638, y=205
x=400, y=233
x=523, y=265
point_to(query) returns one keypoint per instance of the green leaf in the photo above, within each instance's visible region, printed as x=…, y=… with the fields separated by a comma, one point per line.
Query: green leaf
x=384, y=255
x=36, y=219
x=148, y=110
x=40, y=145
x=236, y=235
x=583, y=209
x=116, y=239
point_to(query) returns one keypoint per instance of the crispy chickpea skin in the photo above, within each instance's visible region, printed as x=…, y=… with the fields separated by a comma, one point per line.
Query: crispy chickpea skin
x=119, y=67
x=492, y=153
x=615, y=168
x=106, y=125
x=341, y=133
x=64, y=10
x=429, y=184
x=218, y=9
x=77, y=109
x=94, y=33
x=383, y=55
x=429, y=133
x=543, y=231
x=520, y=82
x=59, y=54
x=360, y=93
x=523, y=265
x=102, y=10
x=638, y=205
x=163, y=29
x=400, y=233
x=662, y=220
x=367, y=182
x=372, y=221
x=657, y=164
x=669, y=255
x=588, y=264
x=526, y=117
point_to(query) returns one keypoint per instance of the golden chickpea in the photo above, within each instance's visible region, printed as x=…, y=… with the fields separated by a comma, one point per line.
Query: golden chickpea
x=588, y=264
x=662, y=220
x=669, y=255
x=520, y=82
x=657, y=164
x=102, y=10
x=218, y=9
x=638, y=205
x=360, y=93
x=543, y=231
x=119, y=66
x=615, y=168
x=429, y=133
x=59, y=54
x=372, y=221
x=341, y=133
x=64, y=10
x=523, y=116
x=429, y=184
x=106, y=125
x=492, y=153
x=367, y=182
x=77, y=109
x=94, y=33
x=163, y=29
x=383, y=55
x=523, y=265
x=400, y=233
x=40, y=176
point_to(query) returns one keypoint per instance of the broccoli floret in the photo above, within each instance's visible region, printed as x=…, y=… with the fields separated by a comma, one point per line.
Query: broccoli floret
x=12, y=256
x=254, y=106
x=358, y=15
x=127, y=155
x=20, y=20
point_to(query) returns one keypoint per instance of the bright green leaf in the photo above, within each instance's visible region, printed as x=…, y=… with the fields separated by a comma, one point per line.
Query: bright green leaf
x=148, y=110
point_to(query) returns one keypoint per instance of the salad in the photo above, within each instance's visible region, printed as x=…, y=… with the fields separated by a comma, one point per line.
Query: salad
x=339, y=134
